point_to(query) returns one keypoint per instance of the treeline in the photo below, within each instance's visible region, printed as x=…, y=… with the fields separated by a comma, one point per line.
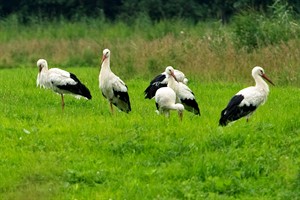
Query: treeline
x=129, y=10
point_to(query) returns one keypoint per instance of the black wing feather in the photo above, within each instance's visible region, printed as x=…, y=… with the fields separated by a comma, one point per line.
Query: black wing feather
x=191, y=105
x=234, y=112
x=79, y=88
x=124, y=97
x=155, y=84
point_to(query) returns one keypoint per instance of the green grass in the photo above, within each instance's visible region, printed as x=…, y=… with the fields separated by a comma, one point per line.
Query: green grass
x=87, y=153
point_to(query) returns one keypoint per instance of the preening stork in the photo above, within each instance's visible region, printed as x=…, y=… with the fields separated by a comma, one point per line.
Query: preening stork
x=112, y=87
x=247, y=100
x=60, y=81
x=183, y=92
x=165, y=100
x=162, y=81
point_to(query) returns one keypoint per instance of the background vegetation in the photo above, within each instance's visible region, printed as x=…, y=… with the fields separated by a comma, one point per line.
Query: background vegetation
x=128, y=10
x=206, y=50
x=87, y=153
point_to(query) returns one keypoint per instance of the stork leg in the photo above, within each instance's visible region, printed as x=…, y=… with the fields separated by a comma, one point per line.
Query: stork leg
x=62, y=102
x=111, y=107
x=180, y=114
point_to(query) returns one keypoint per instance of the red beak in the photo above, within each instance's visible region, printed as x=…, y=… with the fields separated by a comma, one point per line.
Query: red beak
x=103, y=58
x=266, y=78
x=174, y=76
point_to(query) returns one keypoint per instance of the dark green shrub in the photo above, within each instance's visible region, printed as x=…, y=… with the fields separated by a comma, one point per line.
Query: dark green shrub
x=253, y=30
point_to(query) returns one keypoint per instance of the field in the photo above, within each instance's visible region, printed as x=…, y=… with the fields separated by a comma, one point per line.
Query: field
x=87, y=153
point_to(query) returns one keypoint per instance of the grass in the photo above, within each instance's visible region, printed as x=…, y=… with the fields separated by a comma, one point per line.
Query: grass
x=87, y=153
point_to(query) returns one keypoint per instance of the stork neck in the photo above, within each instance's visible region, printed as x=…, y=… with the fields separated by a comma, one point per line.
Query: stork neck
x=106, y=64
x=172, y=83
x=44, y=69
x=260, y=83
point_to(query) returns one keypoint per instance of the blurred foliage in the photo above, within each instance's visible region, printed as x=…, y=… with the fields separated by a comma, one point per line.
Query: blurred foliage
x=253, y=29
x=128, y=10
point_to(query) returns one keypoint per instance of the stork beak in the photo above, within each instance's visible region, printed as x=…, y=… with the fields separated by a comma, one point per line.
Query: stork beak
x=103, y=58
x=172, y=74
x=266, y=78
x=40, y=68
x=180, y=114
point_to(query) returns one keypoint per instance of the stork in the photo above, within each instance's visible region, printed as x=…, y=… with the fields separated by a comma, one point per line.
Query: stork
x=183, y=92
x=247, y=100
x=60, y=81
x=165, y=100
x=112, y=87
x=162, y=81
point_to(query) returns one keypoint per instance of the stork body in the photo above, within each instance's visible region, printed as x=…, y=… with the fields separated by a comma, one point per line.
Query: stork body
x=247, y=100
x=112, y=87
x=162, y=81
x=60, y=81
x=183, y=92
x=165, y=99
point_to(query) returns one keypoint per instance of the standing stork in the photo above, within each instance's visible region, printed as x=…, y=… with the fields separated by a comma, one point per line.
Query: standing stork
x=183, y=92
x=247, y=100
x=60, y=81
x=112, y=87
x=162, y=81
x=165, y=100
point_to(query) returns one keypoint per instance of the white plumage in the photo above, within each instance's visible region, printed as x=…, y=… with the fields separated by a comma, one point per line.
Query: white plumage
x=165, y=99
x=112, y=87
x=60, y=81
x=247, y=100
x=183, y=92
x=162, y=81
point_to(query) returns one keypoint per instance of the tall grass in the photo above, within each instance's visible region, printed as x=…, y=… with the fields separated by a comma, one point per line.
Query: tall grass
x=204, y=51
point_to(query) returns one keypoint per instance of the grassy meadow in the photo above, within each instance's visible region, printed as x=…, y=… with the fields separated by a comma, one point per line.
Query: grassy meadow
x=87, y=153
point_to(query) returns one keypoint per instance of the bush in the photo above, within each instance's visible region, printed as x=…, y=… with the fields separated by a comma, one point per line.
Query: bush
x=252, y=29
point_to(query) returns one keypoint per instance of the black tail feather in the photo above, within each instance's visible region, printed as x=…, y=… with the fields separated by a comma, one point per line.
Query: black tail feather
x=235, y=111
x=123, y=102
x=79, y=88
x=191, y=105
x=84, y=91
x=223, y=120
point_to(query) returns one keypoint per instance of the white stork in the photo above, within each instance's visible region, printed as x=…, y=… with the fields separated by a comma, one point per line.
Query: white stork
x=112, y=87
x=162, y=81
x=60, y=81
x=165, y=99
x=247, y=100
x=183, y=92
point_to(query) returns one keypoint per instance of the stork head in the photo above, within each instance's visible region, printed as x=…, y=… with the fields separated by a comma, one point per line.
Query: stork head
x=180, y=109
x=259, y=71
x=106, y=54
x=42, y=63
x=170, y=72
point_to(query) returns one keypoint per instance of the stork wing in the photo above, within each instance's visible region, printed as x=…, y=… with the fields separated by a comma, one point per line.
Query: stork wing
x=237, y=107
x=158, y=82
x=119, y=85
x=58, y=77
x=187, y=98
x=121, y=97
x=184, y=92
